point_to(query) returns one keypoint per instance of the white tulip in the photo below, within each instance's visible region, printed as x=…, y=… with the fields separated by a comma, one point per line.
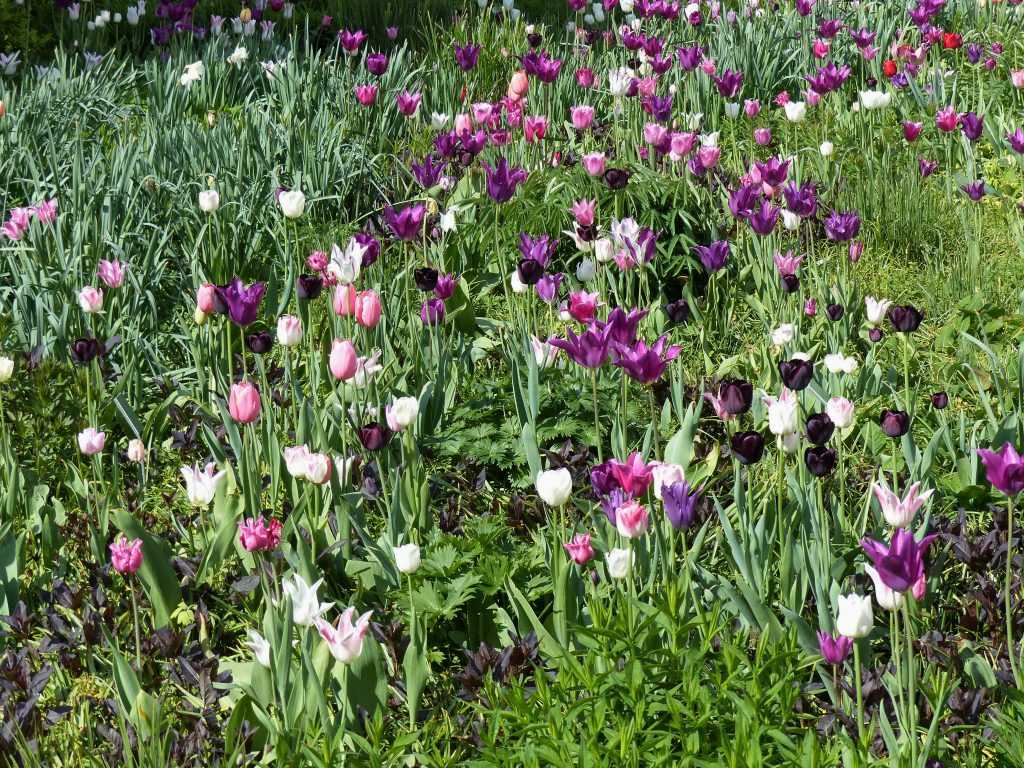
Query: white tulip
x=790, y=220
x=292, y=203
x=826, y=149
x=876, y=309
x=875, y=99
x=554, y=486
x=782, y=413
x=619, y=562
x=136, y=450
x=407, y=558
x=586, y=270
x=839, y=363
x=345, y=265
x=840, y=411
x=201, y=485
x=238, y=56
x=306, y=606
x=784, y=334
x=796, y=111
x=403, y=411
x=209, y=200
x=260, y=647
x=6, y=369
x=855, y=618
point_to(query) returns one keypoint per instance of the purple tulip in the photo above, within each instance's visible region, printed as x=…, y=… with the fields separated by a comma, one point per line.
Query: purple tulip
x=432, y=312
x=589, y=349
x=1004, y=469
x=764, y=218
x=502, y=180
x=713, y=256
x=972, y=125
x=540, y=249
x=801, y=200
x=901, y=564
x=680, y=504
x=842, y=225
x=547, y=287
x=242, y=304
x=406, y=224
x=1016, y=140
x=427, y=174
x=690, y=58
x=466, y=56
x=642, y=363
x=372, y=246
x=975, y=190
x=743, y=199
x=729, y=84
x=834, y=648
x=621, y=327
x=926, y=167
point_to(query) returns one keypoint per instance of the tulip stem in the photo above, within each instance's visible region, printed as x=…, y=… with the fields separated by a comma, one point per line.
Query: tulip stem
x=911, y=684
x=135, y=618
x=597, y=419
x=1010, y=647
x=860, y=695
x=654, y=421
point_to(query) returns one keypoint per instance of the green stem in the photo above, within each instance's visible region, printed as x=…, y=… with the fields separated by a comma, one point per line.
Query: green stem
x=860, y=696
x=911, y=684
x=597, y=419
x=135, y=617
x=1011, y=648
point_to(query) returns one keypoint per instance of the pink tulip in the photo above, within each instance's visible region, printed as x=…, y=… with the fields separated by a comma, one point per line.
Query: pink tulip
x=111, y=272
x=655, y=134
x=205, y=298
x=583, y=306
x=367, y=309
x=518, y=86
x=763, y=136
x=811, y=307
x=91, y=441
x=1017, y=78
x=90, y=299
x=244, y=402
x=594, y=163
x=318, y=468
x=585, y=77
x=580, y=549
x=582, y=117
x=946, y=119
x=752, y=107
x=534, y=127
x=344, y=359
x=463, y=124
x=257, y=536
x=126, y=556
x=366, y=94
x=344, y=300
x=482, y=112
x=46, y=211
x=812, y=98
x=631, y=519
x=709, y=156
x=820, y=48
x=584, y=211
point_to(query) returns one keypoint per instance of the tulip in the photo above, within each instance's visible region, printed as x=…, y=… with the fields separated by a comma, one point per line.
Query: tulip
x=407, y=558
x=664, y=474
x=894, y=423
x=819, y=428
x=582, y=117
x=293, y=203
x=834, y=648
x=366, y=95
x=897, y=512
x=255, y=535
x=619, y=562
x=345, y=638
x=840, y=411
x=374, y=436
x=111, y=273
x=796, y=373
x=839, y=363
x=242, y=303
x=367, y=309
x=401, y=413
x=344, y=300
x=633, y=476
x=554, y=486
x=289, y=330
x=6, y=369
x=680, y=504
x=344, y=265
x=876, y=309
x=855, y=618
x=900, y=565
x=201, y=485
x=343, y=360
x=259, y=646
x=747, y=447
x=318, y=468
x=580, y=549
x=90, y=299
x=136, y=451
x=259, y=343
x=782, y=413
x=209, y=200
x=940, y=400
x=244, y=402
x=91, y=441
x=631, y=519
x=306, y=606
x=905, y=318
x=820, y=461
x=432, y=312
x=1004, y=469
x=594, y=163
x=126, y=556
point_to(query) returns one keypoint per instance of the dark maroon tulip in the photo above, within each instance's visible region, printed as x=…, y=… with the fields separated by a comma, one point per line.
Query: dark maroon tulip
x=84, y=351
x=819, y=428
x=530, y=271
x=875, y=335
x=374, y=436
x=736, y=396
x=747, y=447
x=905, y=318
x=534, y=39
x=835, y=312
x=425, y=278
x=616, y=178
x=678, y=311
x=308, y=286
x=790, y=283
x=894, y=423
x=940, y=400
x=820, y=460
x=259, y=343
x=796, y=373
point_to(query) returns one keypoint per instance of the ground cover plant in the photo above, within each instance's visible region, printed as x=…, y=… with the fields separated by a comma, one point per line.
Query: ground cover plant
x=623, y=383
